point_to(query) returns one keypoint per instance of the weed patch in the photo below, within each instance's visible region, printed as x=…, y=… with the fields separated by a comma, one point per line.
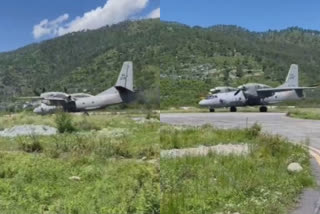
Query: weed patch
x=256, y=183
x=64, y=123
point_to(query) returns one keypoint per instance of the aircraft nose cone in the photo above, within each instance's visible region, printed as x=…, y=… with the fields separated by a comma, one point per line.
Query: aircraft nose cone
x=203, y=102
x=37, y=110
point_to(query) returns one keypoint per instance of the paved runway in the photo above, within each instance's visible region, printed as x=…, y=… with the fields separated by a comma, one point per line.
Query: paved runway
x=296, y=130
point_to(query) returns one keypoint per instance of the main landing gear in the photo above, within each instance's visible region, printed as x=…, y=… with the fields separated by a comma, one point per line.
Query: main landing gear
x=233, y=109
x=263, y=109
x=211, y=109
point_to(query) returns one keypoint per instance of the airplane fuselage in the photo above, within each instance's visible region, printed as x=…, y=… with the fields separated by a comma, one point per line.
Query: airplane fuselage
x=282, y=96
x=225, y=99
x=229, y=99
x=121, y=92
x=97, y=102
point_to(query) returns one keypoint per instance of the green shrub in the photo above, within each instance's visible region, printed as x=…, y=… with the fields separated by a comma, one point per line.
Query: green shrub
x=64, y=123
x=253, y=131
x=30, y=144
x=86, y=125
x=272, y=145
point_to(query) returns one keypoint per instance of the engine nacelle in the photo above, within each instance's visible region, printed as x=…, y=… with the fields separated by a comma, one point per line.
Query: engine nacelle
x=45, y=109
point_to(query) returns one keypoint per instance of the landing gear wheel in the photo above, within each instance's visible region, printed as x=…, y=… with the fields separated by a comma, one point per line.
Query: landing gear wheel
x=263, y=109
x=211, y=109
x=85, y=113
x=233, y=109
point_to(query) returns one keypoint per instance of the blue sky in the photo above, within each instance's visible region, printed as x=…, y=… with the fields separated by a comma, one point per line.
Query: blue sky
x=18, y=17
x=255, y=15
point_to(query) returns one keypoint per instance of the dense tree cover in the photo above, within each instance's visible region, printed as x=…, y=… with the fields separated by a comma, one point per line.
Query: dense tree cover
x=87, y=61
x=195, y=59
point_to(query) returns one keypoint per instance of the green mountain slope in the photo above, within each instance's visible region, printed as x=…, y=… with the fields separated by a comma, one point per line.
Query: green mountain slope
x=188, y=61
x=195, y=59
x=85, y=61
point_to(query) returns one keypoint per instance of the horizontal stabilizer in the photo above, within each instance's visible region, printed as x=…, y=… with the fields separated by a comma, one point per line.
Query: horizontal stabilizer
x=265, y=92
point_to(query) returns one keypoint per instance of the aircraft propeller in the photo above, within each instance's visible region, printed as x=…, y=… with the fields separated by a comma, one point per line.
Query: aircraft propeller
x=240, y=88
x=38, y=93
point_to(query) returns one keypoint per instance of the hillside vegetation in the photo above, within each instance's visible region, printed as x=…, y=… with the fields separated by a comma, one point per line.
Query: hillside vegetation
x=195, y=59
x=188, y=60
x=87, y=61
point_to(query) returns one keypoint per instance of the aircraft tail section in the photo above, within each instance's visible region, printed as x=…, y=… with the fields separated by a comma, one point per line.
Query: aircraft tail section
x=125, y=79
x=124, y=84
x=293, y=77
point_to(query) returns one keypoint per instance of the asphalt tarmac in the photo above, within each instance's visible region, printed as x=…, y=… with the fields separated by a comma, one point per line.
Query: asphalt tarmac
x=296, y=130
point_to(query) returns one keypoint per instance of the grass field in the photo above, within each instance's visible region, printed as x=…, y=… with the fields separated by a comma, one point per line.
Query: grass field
x=255, y=184
x=109, y=164
x=305, y=113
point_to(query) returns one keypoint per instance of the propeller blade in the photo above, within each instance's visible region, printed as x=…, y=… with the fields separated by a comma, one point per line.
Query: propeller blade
x=314, y=85
x=36, y=92
x=237, y=92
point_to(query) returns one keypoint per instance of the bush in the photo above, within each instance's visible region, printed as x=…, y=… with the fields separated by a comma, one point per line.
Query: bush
x=31, y=144
x=254, y=130
x=273, y=145
x=64, y=123
x=86, y=125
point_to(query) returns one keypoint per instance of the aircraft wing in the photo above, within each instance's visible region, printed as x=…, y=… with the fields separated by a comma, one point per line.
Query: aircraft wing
x=30, y=98
x=269, y=91
x=54, y=99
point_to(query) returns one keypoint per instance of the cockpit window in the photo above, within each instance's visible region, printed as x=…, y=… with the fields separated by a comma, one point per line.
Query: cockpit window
x=212, y=96
x=215, y=91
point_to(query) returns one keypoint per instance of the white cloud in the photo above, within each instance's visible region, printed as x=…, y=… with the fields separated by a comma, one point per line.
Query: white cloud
x=46, y=27
x=114, y=11
x=154, y=14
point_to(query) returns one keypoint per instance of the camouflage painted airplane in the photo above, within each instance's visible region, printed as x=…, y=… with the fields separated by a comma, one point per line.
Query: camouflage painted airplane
x=253, y=94
x=121, y=92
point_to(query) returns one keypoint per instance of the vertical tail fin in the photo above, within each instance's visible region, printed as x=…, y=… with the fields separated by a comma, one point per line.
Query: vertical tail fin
x=293, y=77
x=125, y=79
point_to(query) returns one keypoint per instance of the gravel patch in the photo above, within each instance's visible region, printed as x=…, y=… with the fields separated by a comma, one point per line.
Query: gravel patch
x=142, y=120
x=222, y=149
x=28, y=130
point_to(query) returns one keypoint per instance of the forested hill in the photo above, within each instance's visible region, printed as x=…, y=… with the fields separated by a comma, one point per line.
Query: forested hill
x=195, y=59
x=87, y=61
x=192, y=60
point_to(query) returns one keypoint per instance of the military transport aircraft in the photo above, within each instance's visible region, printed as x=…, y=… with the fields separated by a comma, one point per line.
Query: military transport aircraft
x=121, y=92
x=253, y=94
